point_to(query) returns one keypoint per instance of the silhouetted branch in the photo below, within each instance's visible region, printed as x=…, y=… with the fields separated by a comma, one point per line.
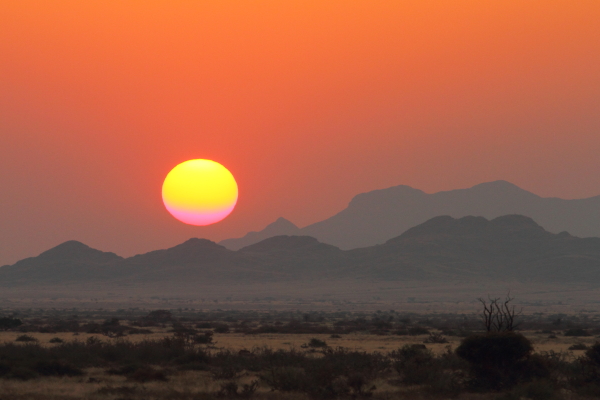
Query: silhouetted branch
x=499, y=316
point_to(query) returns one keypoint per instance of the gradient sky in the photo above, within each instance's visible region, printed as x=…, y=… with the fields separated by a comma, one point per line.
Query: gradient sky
x=307, y=103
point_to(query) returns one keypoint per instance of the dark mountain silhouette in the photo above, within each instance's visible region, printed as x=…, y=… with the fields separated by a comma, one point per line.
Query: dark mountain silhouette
x=69, y=261
x=297, y=257
x=280, y=227
x=375, y=217
x=511, y=247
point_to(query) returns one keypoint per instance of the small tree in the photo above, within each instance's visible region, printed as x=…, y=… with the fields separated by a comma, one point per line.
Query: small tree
x=499, y=358
x=9, y=323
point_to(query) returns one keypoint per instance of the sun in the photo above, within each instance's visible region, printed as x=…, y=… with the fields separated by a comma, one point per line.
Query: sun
x=200, y=192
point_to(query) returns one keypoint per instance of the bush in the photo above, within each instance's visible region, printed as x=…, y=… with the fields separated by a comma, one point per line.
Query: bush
x=285, y=379
x=435, y=338
x=25, y=338
x=578, y=346
x=9, y=323
x=56, y=368
x=22, y=374
x=230, y=389
x=415, y=364
x=147, y=374
x=497, y=359
x=418, y=330
x=221, y=328
x=314, y=342
x=577, y=332
x=536, y=390
x=56, y=340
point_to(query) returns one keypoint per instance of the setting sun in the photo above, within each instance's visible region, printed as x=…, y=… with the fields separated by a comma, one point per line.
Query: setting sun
x=200, y=192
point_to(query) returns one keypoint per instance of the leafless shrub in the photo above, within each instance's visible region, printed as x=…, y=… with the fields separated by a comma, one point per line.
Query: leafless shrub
x=499, y=316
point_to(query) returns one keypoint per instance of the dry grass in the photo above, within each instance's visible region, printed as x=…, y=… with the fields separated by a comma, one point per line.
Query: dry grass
x=96, y=384
x=353, y=341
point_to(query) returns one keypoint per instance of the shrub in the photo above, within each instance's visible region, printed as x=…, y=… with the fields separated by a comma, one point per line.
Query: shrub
x=230, y=389
x=25, y=338
x=314, y=342
x=22, y=373
x=592, y=355
x=205, y=338
x=435, y=338
x=56, y=368
x=359, y=385
x=577, y=332
x=56, y=340
x=221, y=328
x=285, y=379
x=536, y=390
x=414, y=364
x=578, y=346
x=418, y=330
x=9, y=323
x=497, y=359
x=147, y=374
x=136, y=331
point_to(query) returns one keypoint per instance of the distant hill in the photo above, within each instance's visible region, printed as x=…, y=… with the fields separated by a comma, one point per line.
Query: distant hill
x=375, y=217
x=511, y=247
x=507, y=248
x=69, y=261
x=280, y=227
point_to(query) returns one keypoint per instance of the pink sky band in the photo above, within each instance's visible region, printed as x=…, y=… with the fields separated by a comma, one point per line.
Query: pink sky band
x=200, y=218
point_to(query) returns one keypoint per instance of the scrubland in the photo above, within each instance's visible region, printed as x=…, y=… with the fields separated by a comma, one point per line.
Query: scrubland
x=192, y=354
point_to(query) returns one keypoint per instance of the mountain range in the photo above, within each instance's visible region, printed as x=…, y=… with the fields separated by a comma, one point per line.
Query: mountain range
x=375, y=217
x=510, y=247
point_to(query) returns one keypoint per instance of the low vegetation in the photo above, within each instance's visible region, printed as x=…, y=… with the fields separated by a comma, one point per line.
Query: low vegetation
x=175, y=354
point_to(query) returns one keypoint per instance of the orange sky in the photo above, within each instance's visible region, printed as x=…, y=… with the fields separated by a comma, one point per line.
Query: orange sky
x=306, y=102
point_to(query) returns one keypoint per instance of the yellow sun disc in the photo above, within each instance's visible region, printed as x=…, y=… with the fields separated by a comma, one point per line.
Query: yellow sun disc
x=200, y=192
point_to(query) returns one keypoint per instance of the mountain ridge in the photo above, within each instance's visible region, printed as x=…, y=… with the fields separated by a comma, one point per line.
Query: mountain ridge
x=442, y=248
x=374, y=217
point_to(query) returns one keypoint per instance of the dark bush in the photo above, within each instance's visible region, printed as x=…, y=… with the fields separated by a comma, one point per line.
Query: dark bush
x=314, y=342
x=22, y=373
x=535, y=390
x=497, y=359
x=160, y=316
x=136, y=331
x=204, y=338
x=577, y=332
x=592, y=355
x=230, y=389
x=56, y=368
x=127, y=369
x=415, y=364
x=578, y=346
x=56, y=340
x=9, y=323
x=285, y=379
x=139, y=373
x=147, y=374
x=418, y=330
x=25, y=338
x=221, y=328
x=435, y=338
